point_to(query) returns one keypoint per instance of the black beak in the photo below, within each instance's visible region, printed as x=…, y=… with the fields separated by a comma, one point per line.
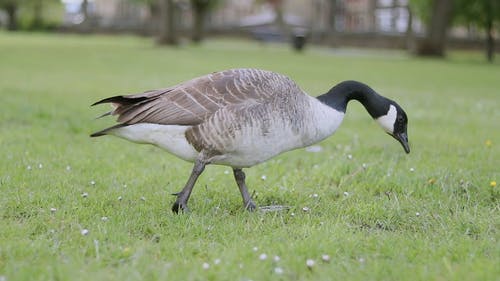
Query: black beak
x=403, y=140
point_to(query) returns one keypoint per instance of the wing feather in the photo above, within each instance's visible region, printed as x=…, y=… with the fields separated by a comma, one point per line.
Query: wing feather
x=192, y=102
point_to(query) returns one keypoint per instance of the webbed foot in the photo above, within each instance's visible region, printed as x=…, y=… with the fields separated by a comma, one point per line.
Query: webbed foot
x=250, y=206
x=180, y=206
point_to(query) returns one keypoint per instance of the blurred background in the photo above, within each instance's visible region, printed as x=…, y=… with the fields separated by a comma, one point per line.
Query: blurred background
x=423, y=27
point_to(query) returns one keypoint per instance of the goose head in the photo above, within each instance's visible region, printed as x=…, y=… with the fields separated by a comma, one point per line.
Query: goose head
x=388, y=114
x=394, y=122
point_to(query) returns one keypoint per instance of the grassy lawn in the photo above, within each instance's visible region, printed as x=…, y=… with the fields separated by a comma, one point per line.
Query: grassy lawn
x=431, y=215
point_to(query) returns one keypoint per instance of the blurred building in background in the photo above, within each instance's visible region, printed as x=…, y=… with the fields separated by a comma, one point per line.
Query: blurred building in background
x=108, y=15
x=373, y=23
x=318, y=16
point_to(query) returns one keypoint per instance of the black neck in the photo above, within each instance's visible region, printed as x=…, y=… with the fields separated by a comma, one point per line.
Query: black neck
x=342, y=93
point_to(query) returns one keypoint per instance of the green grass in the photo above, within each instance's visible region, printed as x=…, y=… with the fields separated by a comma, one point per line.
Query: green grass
x=439, y=222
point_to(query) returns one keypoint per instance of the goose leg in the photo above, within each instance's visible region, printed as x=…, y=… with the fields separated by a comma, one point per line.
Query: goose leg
x=239, y=176
x=183, y=196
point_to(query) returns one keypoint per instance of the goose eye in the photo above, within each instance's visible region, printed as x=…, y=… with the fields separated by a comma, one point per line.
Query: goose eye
x=400, y=118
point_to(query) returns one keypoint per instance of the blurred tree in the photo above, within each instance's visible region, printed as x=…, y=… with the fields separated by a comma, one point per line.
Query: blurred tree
x=11, y=8
x=37, y=22
x=279, y=20
x=438, y=15
x=200, y=10
x=84, y=9
x=410, y=36
x=168, y=28
x=33, y=11
x=331, y=29
x=280, y=17
x=483, y=13
x=154, y=12
x=40, y=11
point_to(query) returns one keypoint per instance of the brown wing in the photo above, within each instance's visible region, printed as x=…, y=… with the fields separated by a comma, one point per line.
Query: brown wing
x=191, y=102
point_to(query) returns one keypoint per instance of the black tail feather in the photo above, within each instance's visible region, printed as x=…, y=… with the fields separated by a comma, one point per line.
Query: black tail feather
x=123, y=103
x=122, y=100
x=105, y=131
x=105, y=114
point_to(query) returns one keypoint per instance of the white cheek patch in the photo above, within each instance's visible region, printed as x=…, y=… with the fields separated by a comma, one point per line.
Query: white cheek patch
x=387, y=121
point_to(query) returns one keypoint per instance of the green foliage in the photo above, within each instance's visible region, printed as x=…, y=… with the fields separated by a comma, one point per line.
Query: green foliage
x=477, y=12
x=429, y=215
x=51, y=13
x=4, y=3
x=464, y=11
x=204, y=5
x=422, y=8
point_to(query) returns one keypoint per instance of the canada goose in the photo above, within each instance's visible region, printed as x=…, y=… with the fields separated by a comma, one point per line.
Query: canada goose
x=240, y=118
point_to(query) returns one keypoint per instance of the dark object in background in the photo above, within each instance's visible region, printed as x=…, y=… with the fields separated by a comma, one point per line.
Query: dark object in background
x=299, y=38
x=298, y=42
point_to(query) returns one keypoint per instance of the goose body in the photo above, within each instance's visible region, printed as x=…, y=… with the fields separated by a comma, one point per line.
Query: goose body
x=240, y=118
x=260, y=135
